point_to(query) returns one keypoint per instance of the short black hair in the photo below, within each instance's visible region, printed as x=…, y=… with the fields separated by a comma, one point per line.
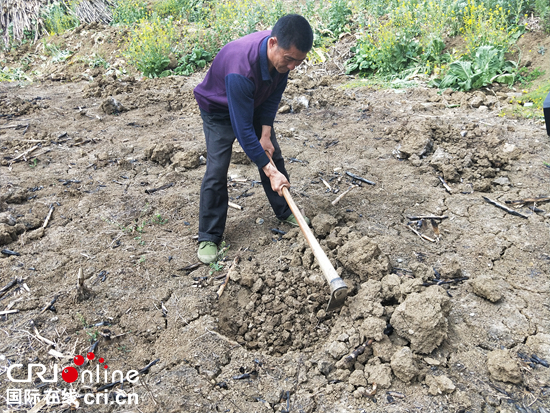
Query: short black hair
x=293, y=30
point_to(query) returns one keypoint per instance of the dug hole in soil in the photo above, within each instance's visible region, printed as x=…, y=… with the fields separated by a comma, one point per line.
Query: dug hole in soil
x=445, y=313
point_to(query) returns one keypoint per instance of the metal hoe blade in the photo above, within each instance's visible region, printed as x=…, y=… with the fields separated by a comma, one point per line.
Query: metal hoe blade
x=338, y=294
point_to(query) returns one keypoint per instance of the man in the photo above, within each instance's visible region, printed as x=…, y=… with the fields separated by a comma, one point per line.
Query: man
x=239, y=98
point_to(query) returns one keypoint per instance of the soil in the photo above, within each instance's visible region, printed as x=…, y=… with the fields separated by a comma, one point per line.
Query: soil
x=443, y=314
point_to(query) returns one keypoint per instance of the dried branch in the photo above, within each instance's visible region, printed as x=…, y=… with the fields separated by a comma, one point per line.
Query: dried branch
x=504, y=208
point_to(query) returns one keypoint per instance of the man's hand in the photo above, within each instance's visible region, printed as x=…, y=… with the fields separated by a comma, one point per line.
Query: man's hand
x=265, y=140
x=278, y=180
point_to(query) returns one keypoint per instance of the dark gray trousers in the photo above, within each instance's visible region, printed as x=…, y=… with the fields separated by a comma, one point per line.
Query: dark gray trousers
x=214, y=196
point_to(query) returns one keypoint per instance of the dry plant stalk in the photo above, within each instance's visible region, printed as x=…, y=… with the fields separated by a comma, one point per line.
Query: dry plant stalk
x=20, y=16
x=343, y=194
x=222, y=287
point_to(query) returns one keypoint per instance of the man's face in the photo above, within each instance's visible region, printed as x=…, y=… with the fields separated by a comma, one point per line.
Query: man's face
x=281, y=59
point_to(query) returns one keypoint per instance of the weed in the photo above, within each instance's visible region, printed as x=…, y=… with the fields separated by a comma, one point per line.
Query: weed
x=33, y=163
x=57, y=18
x=93, y=334
x=158, y=219
x=97, y=61
x=525, y=76
x=191, y=10
x=58, y=55
x=13, y=75
x=142, y=259
x=338, y=17
x=197, y=59
x=150, y=45
x=129, y=12
x=219, y=264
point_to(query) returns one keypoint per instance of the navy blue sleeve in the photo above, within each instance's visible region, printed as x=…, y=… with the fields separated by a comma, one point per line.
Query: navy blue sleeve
x=268, y=109
x=240, y=99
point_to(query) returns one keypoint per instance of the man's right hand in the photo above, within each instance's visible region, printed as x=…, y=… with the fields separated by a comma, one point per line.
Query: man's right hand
x=278, y=180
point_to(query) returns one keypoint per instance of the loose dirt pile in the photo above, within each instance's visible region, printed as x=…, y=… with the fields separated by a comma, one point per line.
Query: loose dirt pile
x=449, y=295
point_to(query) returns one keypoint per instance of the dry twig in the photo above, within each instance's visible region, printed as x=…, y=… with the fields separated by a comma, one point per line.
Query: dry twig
x=339, y=197
x=222, y=287
x=504, y=208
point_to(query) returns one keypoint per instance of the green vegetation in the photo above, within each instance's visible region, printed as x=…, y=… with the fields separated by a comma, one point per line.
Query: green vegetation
x=58, y=18
x=218, y=265
x=92, y=332
x=197, y=59
x=487, y=67
x=529, y=105
x=150, y=45
x=397, y=40
x=129, y=12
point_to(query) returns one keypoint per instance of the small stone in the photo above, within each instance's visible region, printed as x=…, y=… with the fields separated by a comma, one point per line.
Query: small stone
x=432, y=362
x=343, y=337
x=337, y=349
x=284, y=109
x=503, y=180
x=325, y=367
x=259, y=221
x=373, y=327
x=439, y=385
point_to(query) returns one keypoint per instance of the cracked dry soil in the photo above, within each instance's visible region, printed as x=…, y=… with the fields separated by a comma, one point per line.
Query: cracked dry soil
x=453, y=324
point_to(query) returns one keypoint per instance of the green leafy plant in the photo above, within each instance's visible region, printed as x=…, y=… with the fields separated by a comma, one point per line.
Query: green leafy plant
x=150, y=45
x=98, y=61
x=33, y=163
x=197, y=59
x=8, y=74
x=488, y=66
x=339, y=14
x=218, y=265
x=191, y=10
x=542, y=9
x=58, y=55
x=525, y=76
x=158, y=219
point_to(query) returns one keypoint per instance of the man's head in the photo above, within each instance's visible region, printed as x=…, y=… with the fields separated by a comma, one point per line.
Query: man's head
x=291, y=40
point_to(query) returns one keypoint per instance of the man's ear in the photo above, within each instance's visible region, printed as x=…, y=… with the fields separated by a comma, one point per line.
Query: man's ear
x=272, y=42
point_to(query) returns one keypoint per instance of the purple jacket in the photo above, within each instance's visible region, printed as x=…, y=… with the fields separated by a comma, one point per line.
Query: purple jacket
x=239, y=83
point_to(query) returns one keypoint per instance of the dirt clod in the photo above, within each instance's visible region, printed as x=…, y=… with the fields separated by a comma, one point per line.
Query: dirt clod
x=403, y=365
x=503, y=367
x=421, y=319
x=488, y=287
x=439, y=385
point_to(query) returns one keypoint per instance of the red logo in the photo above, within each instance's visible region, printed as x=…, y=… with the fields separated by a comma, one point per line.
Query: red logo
x=70, y=374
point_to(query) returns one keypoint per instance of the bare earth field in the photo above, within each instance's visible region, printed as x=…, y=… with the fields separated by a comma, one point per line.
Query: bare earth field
x=455, y=317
